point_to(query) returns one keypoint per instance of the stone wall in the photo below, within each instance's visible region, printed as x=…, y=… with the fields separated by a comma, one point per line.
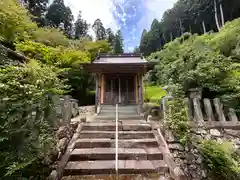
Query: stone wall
x=189, y=158
x=84, y=110
x=64, y=135
x=209, y=119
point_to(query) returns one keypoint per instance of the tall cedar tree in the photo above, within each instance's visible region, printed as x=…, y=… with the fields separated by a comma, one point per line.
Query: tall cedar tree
x=99, y=29
x=81, y=27
x=58, y=14
x=118, y=46
x=37, y=8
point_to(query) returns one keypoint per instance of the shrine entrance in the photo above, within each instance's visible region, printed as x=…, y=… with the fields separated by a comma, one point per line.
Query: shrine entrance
x=119, y=88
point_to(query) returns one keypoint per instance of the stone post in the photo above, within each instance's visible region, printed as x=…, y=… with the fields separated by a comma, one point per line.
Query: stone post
x=208, y=109
x=188, y=105
x=198, y=115
x=66, y=110
x=195, y=93
x=232, y=115
x=219, y=109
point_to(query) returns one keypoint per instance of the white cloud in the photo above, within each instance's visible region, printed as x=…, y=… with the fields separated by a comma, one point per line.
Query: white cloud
x=155, y=9
x=92, y=10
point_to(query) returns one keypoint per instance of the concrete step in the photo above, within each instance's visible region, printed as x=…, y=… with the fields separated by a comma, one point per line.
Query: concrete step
x=111, y=127
x=93, y=154
x=122, y=143
x=108, y=167
x=121, y=134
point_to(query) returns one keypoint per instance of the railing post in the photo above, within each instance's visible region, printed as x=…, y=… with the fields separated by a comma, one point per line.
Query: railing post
x=116, y=142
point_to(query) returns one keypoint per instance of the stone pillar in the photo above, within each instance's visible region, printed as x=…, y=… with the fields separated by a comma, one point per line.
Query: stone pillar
x=219, y=110
x=208, y=109
x=66, y=110
x=198, y=115
x=195, y=93
x=232, y=115
x=188, y=106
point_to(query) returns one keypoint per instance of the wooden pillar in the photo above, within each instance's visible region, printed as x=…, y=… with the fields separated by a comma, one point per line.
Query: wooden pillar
x=140, y=89
x=96, y=91
x=136, y=87
x=102, y=88
x=119, y=90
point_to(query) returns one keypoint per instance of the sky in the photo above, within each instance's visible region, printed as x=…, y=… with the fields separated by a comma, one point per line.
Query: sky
x=130, y=16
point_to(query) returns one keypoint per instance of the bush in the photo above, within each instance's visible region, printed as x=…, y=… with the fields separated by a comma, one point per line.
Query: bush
x=177, y=119
x=27, y=120
x=220, y=160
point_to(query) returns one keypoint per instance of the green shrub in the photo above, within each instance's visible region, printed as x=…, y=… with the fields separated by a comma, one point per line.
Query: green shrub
x=220, y=160
x=27, y=120
x=177, y=119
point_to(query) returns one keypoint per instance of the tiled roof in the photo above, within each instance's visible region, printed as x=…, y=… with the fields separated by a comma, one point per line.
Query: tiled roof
x=127, y=58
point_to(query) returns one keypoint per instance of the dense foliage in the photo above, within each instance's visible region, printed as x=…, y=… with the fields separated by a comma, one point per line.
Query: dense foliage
x=27, y=120
x=29, y=91
x=194, y=16
x=210, y=61
x=221, y=160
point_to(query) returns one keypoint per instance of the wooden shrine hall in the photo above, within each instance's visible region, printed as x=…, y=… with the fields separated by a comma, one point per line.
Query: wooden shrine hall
x=119, y=78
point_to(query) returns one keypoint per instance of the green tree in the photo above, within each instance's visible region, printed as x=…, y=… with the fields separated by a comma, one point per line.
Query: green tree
x=110, y=37
x=118, y=45
x=81, y=27
x=59, y=15
x=99, y=30
x=14, y=21
x=37, y=8
x=198, y=16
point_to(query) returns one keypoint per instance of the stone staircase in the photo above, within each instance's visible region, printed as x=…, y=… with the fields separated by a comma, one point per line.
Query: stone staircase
x=94, y=150
x=108, y=112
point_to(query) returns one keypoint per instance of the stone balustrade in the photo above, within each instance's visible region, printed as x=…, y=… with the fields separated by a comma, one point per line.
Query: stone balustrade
x=207, y=112
x=211, y=113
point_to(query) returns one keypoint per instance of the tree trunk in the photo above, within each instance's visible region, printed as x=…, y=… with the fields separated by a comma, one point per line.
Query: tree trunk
x=171, y=36
x=181, y=29
x=204, y=27
x=222, y=15
x=216, y=15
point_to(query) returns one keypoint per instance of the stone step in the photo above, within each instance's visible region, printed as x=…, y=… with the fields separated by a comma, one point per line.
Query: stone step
x=122, y=143
x=127, y=112
x=120, y=117
x=93, y=154
x=111, y=107
x=121, y=134
x=108, y=167
x=148, y=176
x=111, y=127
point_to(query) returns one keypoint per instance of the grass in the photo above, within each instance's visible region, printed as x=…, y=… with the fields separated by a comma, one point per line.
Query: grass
x=153, y=94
